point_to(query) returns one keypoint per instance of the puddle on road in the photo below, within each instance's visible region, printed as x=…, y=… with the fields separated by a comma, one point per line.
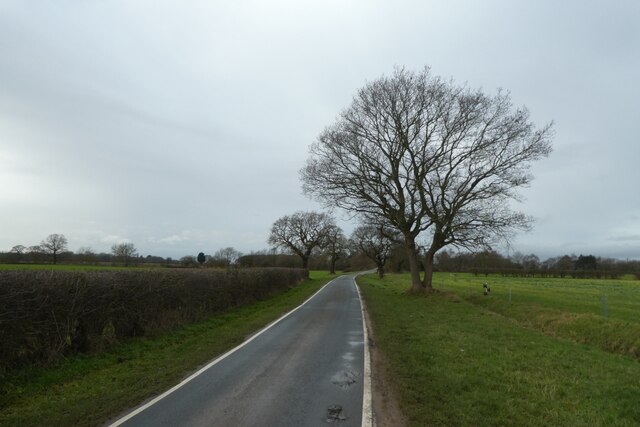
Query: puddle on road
x=335, y=414
x=344, y=379
x=349, y=357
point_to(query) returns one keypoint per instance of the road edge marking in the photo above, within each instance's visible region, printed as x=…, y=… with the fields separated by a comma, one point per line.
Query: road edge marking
x=367, y=395
x=217, y=360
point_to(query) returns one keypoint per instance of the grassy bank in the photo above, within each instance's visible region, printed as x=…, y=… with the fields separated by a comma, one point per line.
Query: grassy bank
x=87, y=390
x=455, y=361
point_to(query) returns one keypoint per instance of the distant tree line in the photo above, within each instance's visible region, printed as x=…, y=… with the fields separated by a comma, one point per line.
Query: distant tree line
x=313, y=241
x=575, y=266
x=54, y=249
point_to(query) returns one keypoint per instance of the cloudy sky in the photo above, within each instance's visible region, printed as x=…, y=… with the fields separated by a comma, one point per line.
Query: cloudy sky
x=181, y=126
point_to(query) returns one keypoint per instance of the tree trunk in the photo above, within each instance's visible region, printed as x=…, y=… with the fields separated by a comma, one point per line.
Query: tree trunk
x=437, y=243
x=332, y=266
x=414, y=265
x=427, y=282
x=305, y=261
x=380, y=261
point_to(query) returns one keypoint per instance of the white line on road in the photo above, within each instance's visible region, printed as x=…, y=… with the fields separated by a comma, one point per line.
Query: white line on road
x=214, y=362
x=367, y=407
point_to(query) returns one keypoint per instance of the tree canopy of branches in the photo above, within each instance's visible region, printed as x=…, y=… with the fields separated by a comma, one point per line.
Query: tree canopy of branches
x=18, y=249
x=431, y=159
x=125, y=252
x=53, y=245
x=335, y=245
x=301, y=233
x=375, y=242
x=587, y=262
x=225, y=257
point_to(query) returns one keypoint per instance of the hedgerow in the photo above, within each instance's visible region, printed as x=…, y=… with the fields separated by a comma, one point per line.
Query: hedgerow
x=45, y=315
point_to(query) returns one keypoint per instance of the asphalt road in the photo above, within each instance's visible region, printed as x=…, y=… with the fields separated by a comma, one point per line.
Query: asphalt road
x=305, y=370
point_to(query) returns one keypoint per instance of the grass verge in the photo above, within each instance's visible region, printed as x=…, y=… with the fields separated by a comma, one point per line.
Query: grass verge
x=455, y=363
x=88, y=390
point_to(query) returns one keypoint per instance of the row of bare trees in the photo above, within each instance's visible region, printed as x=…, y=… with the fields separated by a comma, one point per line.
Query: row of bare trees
x=306, y=233
x=54, y=245
x=303, y=232
x=313, y=234
x=224, y=257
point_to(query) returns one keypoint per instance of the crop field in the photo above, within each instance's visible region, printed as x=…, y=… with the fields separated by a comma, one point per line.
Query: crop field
x=69, y=267
x=532, y=352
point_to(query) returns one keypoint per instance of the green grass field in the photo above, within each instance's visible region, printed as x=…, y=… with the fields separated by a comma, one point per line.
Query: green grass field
x=569, y=295
x=604, y=313
x=88, y=390
x=548, y=357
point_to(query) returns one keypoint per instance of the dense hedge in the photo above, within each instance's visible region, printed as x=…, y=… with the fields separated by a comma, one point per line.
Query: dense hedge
x=48, y=314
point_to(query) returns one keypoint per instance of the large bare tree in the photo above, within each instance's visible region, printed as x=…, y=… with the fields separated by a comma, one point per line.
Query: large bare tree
x=301, y=232
x=432, y=159
x=53, y=245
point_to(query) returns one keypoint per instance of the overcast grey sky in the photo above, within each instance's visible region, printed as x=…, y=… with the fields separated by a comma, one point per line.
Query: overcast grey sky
x=181, y=126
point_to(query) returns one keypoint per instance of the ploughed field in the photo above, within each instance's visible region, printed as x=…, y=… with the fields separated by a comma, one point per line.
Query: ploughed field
x=534, y=351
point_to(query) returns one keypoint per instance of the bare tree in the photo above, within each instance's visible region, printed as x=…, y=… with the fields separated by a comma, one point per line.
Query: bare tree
x=430, y=159
x=53, y=245
x=335, y=244
x=375, y=242
x=301, y=233
x=125, y=252
x=189, y=261
x=226, y=257
x=530, y=262
x=17, y=252
x=18, y=249
x=86, y=254
x=36, y=253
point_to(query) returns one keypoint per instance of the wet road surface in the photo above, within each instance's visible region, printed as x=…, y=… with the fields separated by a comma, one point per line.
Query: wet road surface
x=306, y=370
